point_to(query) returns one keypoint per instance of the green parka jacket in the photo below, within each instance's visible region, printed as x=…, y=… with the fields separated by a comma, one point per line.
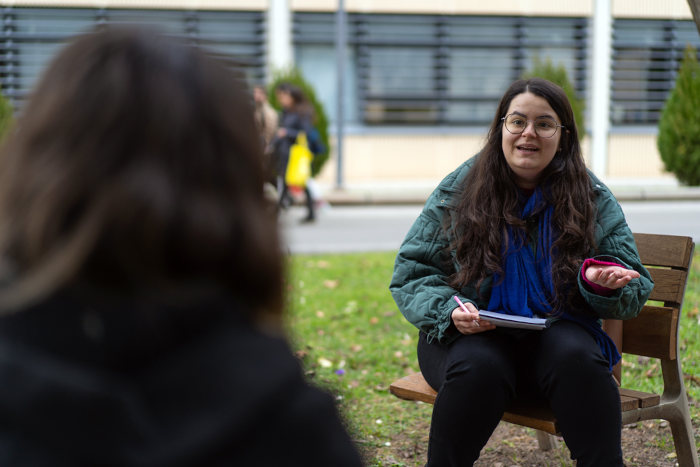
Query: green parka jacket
x=424, y=263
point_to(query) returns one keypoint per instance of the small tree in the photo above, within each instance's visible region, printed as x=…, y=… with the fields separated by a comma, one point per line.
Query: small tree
x=557, y=74
x=679, y=126
x=294, y=76
x=6, y=116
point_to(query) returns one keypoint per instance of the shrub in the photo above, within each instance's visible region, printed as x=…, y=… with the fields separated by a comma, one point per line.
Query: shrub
x=294, y=76
x=679, y=126
x=6, y=116
x=557, y=74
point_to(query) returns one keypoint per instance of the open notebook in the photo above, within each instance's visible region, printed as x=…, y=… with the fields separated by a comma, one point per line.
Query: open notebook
x=513, y=321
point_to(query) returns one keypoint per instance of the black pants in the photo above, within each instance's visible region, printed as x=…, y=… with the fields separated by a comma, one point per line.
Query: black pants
x=286, y=200
x=477, y=377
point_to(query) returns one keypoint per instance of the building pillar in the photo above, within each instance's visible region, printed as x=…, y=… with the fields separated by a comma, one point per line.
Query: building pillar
x=280, y=52
x=602, y=62
x=340, y=48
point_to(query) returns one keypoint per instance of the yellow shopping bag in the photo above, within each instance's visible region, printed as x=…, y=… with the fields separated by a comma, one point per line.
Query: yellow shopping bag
x=299, y=166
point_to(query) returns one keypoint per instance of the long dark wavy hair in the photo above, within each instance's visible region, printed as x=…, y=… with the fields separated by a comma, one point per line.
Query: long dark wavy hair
x=490, y=201
x=301, y=103
x=135, y=168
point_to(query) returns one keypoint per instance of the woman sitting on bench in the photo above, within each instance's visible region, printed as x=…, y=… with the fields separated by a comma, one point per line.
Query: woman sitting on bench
x=521, y=228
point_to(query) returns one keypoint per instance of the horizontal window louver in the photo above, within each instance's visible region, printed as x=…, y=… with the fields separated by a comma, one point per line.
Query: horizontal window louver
x=646, y=58
x=32, y=37
x=439, y=69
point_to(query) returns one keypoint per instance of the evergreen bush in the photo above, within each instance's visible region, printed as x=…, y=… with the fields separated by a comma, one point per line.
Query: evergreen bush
x=294, y=76
x=557, y=74
x=679, y=126
x=6, y=116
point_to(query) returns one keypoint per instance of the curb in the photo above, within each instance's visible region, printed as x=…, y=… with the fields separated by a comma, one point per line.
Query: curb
x=369, y=197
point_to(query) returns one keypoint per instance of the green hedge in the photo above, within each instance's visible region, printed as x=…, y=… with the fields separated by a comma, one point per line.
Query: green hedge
x=6, y=116
x=679, y=126
x=557, y=74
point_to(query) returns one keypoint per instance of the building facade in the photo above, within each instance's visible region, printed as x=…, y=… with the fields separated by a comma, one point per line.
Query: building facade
x=422, y=77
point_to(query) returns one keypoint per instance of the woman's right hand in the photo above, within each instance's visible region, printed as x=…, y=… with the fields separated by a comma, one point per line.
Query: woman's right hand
x=469, y=323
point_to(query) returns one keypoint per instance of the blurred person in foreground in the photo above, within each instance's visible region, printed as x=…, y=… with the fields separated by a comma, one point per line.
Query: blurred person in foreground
x=142, y=275
x=522, y=228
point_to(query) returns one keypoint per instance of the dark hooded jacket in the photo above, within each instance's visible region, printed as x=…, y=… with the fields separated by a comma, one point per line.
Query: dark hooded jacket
x=123, y=383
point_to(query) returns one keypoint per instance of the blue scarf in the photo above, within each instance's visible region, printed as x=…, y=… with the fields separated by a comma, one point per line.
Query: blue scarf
x=527, y=287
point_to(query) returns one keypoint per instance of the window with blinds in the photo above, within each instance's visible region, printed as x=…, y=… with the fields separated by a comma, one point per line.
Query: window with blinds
x=439, y=69
x=32, y=36
x=646, y=58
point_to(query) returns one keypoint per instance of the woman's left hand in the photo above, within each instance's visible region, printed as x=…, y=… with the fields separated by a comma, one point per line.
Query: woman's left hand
x=612, y=277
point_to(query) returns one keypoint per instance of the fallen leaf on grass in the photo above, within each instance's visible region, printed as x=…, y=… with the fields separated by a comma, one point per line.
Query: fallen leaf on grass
x=331, y=283
x=373, y=320
x=652, y=371
x=355, y=347
x=300, y=354
x=322, y=264
x=320, y=314
x=324, y=362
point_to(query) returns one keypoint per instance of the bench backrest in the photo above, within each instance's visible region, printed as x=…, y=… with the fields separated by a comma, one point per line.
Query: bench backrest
x=654, y=333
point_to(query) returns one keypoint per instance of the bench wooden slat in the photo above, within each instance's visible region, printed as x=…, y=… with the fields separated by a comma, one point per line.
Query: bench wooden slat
x=533, y=416
x=646, y=399
x=664, y=250
x=414, y=387
x=652, y=334
x=668, y=285
x=628, y=403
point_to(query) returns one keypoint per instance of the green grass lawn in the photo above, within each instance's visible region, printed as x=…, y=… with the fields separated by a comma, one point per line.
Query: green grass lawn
x=352, y=340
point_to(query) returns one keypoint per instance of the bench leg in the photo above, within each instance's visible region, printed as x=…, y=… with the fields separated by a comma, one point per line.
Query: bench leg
x=678, y=414
x=546, y=441
x=684, y=441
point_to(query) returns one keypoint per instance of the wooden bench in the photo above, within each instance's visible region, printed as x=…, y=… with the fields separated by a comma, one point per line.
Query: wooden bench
x=654, y=333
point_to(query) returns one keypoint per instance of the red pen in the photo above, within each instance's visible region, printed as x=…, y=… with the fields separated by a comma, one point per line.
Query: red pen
x=464, y=308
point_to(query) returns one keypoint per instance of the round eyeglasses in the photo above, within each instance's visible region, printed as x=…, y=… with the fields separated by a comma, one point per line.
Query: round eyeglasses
x=545, y=127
